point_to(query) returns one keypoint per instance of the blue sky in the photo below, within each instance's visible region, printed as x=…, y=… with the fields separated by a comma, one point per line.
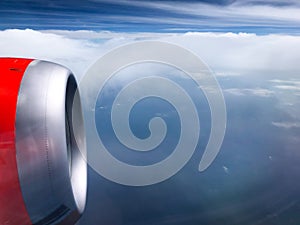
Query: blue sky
x=255, y=16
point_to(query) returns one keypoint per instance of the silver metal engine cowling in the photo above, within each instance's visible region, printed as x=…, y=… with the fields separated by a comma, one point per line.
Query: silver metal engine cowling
x=52, y=170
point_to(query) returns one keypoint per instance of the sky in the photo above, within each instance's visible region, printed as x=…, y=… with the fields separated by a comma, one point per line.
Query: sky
x=258, y=16
x=253, y=49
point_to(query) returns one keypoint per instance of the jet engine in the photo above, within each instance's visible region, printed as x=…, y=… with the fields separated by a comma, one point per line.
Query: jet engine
x=43, y=174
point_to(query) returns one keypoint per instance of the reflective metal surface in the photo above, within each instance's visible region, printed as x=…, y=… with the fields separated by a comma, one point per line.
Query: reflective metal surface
x=51, y=169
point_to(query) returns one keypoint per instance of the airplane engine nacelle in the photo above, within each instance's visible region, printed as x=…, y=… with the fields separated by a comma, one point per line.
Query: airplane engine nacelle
x=43, y=176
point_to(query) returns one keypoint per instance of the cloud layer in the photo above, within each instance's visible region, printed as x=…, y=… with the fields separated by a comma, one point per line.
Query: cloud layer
x=225, y=53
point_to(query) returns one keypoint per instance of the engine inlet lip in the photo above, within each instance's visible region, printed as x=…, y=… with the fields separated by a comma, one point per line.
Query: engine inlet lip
x=75, y=134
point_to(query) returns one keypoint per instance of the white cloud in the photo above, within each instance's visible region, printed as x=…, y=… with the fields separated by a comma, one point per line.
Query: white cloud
x=243, y=52
x=286, y=125
x=227, y=74
x=288, y=95
x=74, y=49
x=105, y=35
x=76, y=54
x=247, y=91
x=37, y=44
x=225, y=53
x=289, y=82
x=288, y=87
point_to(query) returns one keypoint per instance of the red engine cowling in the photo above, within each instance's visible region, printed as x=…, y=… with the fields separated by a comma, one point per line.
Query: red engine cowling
x=43, y=176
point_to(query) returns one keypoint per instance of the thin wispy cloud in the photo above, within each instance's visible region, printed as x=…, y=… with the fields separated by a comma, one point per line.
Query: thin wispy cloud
x=260, y=92
x=155, y=16
x=288, y=95
x=286, y=125
x=246, y=11
x=286, y=85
